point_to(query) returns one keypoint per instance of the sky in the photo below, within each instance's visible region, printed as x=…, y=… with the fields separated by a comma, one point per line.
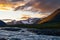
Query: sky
x=46, y=6
x=49, y=5
x=17, y=15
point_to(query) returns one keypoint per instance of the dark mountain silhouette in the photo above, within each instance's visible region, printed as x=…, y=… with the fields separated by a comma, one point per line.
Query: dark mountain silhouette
x=2, y=23
x=54, y=17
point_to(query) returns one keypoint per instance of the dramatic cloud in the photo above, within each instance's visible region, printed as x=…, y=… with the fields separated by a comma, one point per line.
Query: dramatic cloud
x=44, y=5
x=49, y=5
x=15, y=0
x=34, y=8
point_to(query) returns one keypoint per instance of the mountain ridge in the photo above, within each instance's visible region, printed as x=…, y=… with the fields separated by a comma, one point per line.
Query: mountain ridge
x=51, y=17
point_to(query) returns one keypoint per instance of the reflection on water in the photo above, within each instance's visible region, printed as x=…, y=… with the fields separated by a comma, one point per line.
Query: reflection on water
x=23, y=34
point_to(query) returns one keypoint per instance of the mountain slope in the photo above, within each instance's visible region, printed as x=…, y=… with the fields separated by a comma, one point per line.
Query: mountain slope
x=2, y=23
x=54, y=17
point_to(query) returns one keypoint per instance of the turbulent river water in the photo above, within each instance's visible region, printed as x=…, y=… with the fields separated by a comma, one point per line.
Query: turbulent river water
x=15, y=33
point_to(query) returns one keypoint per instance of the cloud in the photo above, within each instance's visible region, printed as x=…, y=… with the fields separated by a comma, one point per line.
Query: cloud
x=15, y=0
x=49, y=5
x=44, y=5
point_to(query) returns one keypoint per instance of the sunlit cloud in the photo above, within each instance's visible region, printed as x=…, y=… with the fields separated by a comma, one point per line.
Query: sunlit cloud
x=27, y=8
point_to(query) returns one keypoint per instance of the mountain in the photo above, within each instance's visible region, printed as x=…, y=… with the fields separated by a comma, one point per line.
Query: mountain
x=28, y=21
x=54, y=17
x=2, y=23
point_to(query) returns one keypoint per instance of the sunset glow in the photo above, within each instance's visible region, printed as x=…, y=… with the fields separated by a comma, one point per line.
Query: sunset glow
x=7, y=11
x=18, y=15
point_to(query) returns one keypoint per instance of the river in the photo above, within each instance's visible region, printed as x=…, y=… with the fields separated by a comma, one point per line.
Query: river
x=16, y=33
